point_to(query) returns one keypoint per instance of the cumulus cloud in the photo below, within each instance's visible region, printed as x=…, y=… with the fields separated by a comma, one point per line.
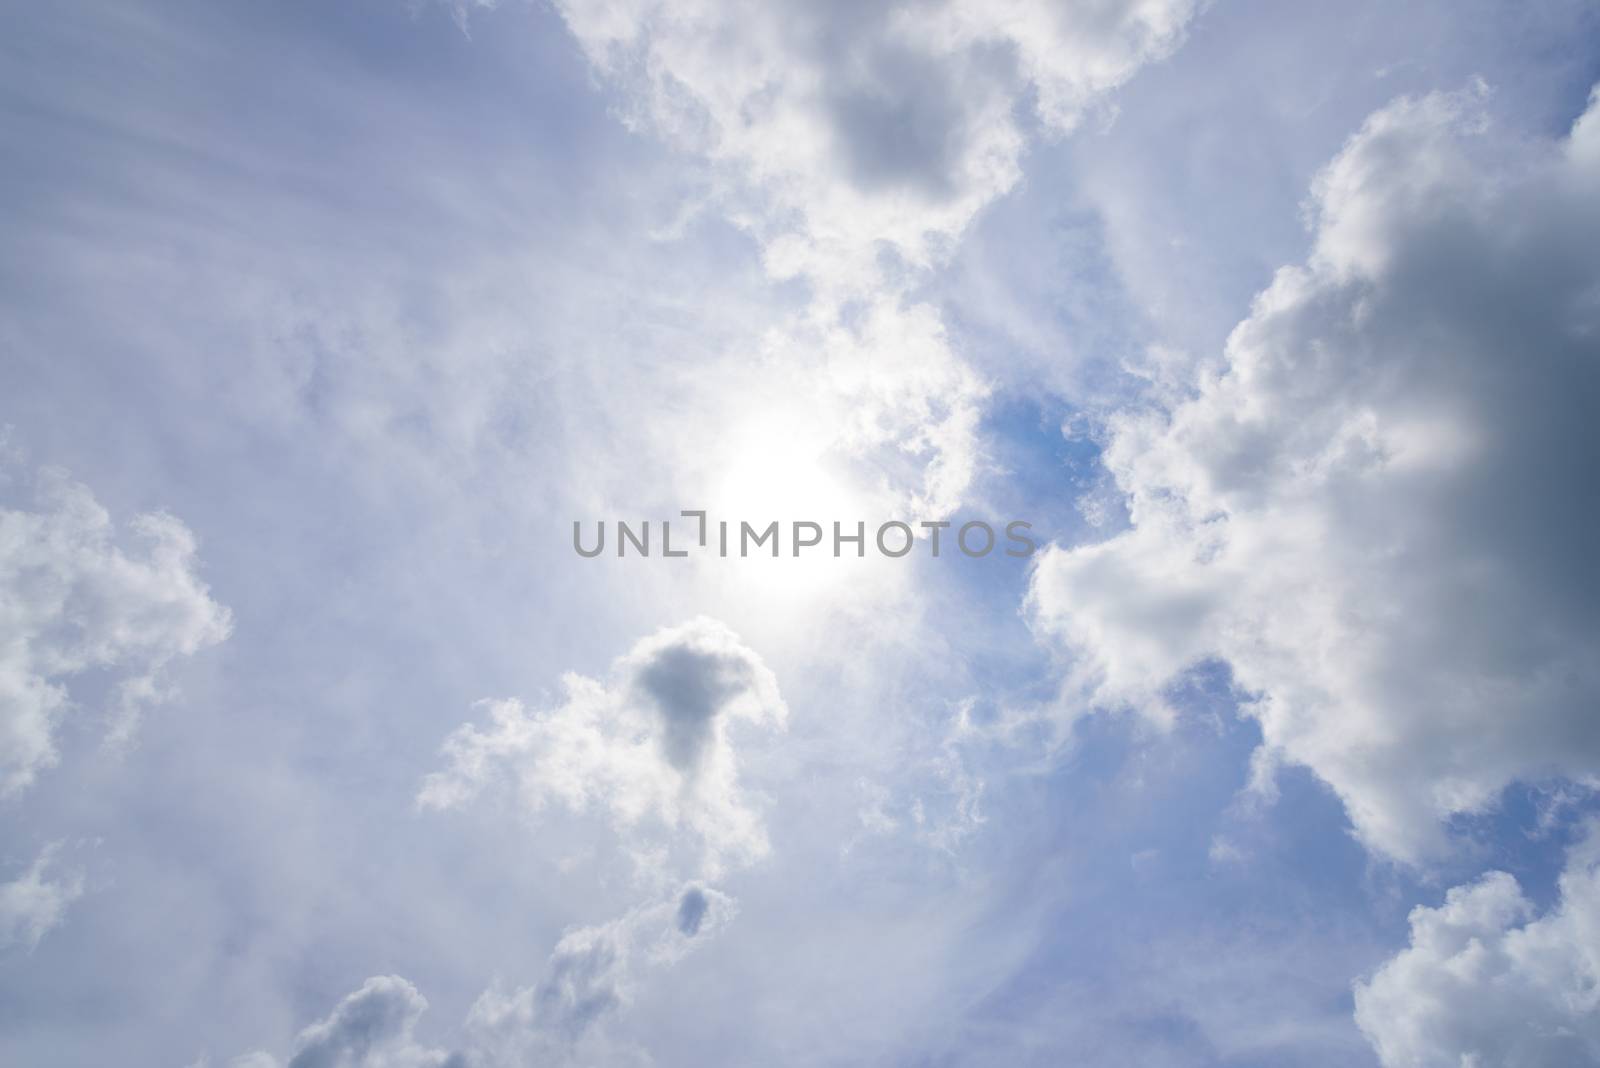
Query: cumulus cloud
x=855, y=143
x=36, y=902
x=371, y=1028
x=1379, y=512
x=859, y=126
x=1487, y=981
x=73, y=600
x=591, y=974
x=650, y=746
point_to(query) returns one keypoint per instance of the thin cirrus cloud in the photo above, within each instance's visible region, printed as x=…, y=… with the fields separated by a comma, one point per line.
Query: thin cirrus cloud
x=1374, y=514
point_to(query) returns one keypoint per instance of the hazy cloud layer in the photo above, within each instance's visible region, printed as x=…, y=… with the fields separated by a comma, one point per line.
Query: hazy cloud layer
x=1488, y=981
x=75, y=599
x=1377, y=513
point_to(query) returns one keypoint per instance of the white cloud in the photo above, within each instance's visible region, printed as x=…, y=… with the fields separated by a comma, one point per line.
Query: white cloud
x=72, y=601
x=371, y=1028
x=887, y=393
x=35, y=903
x=856, y=143
x=591, y=974
x=1487, y=982
x=861, y=126
x=1379, y=513
x=650, y=747
x=248, y=1060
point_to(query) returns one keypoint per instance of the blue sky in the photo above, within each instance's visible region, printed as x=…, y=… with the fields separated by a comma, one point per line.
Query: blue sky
x=321, y=324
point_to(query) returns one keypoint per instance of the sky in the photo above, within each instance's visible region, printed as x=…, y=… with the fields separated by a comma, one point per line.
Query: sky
x=322, y=327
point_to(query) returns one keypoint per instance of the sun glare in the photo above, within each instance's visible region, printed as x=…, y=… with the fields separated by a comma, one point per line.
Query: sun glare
x=778, y=473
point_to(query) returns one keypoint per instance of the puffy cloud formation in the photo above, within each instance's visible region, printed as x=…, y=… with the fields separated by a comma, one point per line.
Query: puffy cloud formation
x=866, y=125
x=1484, y=982
x=34, y=903
x=650, y=746
x=370, y=1028
x=1379, y=512
x=856, y=142
x=72, y=600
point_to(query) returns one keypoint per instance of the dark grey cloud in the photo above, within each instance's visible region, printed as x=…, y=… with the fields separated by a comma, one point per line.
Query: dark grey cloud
x=692, y=911
x=900, y=120
x=690, y=686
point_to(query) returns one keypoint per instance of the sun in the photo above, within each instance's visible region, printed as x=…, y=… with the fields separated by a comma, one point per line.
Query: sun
x=779, y=463
x=780, y=470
